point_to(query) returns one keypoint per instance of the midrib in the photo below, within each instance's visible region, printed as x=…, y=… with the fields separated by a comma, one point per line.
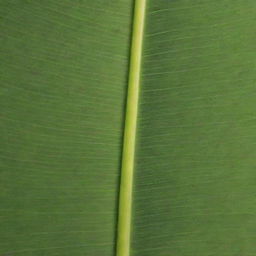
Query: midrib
x=127, y=168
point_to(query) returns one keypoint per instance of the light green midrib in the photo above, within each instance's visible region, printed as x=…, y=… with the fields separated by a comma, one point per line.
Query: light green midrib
x=127, y=167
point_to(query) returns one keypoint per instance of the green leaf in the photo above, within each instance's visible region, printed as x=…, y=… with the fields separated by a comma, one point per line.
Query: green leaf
x=110, y=149
x=194, y=184
x=63, y=87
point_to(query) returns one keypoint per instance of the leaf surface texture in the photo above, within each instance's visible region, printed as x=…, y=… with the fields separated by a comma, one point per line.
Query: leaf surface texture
x=64, y=77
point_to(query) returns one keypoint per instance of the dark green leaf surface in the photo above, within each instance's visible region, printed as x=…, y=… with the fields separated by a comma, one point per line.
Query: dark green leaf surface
x=63, y=75
x=63, y=85
x=195, y=174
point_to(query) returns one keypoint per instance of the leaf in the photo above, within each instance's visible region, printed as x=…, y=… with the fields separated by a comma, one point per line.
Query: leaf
x=63, y=88
x=194, y=184
x=64, y=80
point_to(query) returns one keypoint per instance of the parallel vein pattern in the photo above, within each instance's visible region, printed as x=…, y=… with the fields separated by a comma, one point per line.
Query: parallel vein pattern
x=63, y=86
x=195, y=164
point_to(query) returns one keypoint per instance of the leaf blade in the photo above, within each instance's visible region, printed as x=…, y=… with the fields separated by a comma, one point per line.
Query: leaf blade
x=64, y=72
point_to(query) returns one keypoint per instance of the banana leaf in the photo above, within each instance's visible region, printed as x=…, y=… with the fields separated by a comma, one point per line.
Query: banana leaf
x=67, y=69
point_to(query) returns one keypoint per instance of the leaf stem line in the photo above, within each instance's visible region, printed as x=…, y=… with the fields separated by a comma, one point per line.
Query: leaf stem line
x=127, y=166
